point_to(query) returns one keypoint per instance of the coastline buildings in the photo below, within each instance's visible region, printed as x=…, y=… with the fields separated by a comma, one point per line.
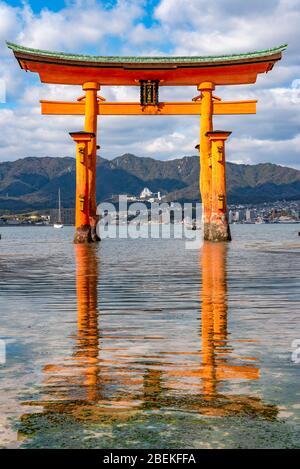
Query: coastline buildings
x=25, y=219
x=275, y=212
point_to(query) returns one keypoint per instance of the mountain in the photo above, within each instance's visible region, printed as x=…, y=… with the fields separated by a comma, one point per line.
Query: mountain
x=32, y=183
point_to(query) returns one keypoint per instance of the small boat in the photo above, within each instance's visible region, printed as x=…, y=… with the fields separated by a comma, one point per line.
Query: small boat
x=192, y=225
x=58, y=224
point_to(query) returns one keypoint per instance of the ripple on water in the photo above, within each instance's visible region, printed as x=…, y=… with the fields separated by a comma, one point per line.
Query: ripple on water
x=142, y=343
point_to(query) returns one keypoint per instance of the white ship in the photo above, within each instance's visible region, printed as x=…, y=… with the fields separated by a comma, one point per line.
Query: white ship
x=58, y=224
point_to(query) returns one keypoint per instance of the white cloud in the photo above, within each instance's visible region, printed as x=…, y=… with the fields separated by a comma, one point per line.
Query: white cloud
x=8, y=24
x=165, y=144
x=250, y=150
x=199, y=27
x=76, y=26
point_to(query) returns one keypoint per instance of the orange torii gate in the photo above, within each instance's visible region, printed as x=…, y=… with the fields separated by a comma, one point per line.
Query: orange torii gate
x=149, y=73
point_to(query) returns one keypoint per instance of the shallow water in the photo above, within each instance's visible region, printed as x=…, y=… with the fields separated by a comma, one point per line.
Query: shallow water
x=145, y=344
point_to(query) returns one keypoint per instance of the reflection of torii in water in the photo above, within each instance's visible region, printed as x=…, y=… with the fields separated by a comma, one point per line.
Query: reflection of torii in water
x=94, y=389
x=215, y=348
x=83, y=383
x=215, y=338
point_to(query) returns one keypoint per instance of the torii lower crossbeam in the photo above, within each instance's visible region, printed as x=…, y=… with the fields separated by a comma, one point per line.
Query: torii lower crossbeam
x=135, y=109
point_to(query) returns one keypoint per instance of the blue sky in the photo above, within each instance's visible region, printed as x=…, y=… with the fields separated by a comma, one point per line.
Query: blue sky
x=137, y=27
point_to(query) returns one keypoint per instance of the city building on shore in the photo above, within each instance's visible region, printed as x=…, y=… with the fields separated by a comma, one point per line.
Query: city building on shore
x=150, y=196
x=274, y=212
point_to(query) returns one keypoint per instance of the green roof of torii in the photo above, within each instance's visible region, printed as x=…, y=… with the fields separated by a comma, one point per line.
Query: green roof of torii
x=143, y=60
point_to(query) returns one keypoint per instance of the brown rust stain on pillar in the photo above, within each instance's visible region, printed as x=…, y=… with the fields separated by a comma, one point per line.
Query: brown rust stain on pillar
x=82, y=211
x=219, y=229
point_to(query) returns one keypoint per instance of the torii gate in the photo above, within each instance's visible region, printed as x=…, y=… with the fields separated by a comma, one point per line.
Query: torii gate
x=92, y=72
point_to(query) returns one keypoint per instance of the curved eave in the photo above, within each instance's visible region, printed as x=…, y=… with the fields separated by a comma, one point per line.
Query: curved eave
x=58, y=67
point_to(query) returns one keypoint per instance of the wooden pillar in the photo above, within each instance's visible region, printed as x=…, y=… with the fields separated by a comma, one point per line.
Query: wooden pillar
x=90, y=125
x=82, y=218
x=219, y=227
x=206, y=89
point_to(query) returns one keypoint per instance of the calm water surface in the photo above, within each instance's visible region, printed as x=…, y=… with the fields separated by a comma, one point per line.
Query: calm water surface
x=142, y=343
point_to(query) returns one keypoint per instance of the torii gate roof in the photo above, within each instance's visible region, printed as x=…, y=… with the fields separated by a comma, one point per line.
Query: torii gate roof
x=76, y=69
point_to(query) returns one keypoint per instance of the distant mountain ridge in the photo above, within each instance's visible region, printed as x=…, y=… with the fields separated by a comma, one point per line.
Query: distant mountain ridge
x=32, y=183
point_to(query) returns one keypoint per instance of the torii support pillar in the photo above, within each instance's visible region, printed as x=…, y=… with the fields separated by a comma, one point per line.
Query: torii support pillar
x=219, y=227
x=206, y=125
x=82, y=211
x=90, y=125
